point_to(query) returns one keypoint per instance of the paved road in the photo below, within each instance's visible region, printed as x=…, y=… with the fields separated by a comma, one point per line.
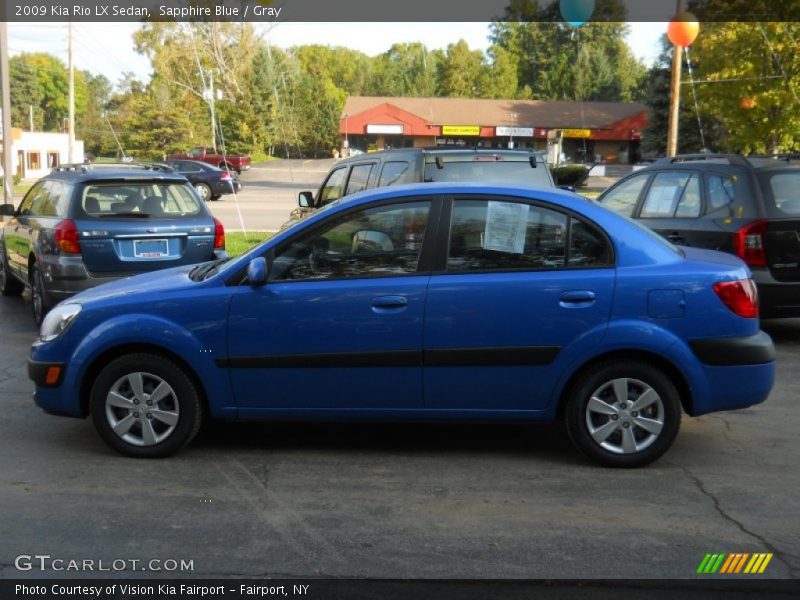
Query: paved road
x=399, y=500
x=269, y=194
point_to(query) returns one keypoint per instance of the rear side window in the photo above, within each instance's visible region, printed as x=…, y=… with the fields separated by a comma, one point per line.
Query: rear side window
x=720, y=191
x=144, y=200
x=785, y=189
x=394, y=173
x=673, y=195
x=359, y=178
x=622, y=199
x=499, y=235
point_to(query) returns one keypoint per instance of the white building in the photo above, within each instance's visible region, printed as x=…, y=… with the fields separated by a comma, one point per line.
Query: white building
x=35, y=153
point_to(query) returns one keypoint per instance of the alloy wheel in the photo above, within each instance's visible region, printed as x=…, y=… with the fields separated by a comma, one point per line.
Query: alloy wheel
x=142, y=409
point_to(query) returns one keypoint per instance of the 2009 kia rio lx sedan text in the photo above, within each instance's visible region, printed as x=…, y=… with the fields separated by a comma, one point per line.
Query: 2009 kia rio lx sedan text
x=420, y=302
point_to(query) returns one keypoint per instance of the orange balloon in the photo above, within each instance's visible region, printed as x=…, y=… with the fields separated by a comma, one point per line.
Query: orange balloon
x=747, y=103
x=683, y=29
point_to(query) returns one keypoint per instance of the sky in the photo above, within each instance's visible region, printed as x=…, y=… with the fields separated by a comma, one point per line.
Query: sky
x=107, y=48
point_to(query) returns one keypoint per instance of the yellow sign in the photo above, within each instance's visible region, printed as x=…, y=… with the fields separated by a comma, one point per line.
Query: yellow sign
x=577, y=133
x=461, y=130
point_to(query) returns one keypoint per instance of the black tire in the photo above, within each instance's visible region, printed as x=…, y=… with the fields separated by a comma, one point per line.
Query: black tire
x=183, y=402
x=40, y=302
x=204, y=190
x=638, y=377
x=217, y=197
x=9, y=285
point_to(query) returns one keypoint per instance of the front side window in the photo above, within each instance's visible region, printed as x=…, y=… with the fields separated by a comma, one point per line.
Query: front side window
x=496, y=235
x=622, y=199
x=334, y=186
x=359, y=177
x=384, y=241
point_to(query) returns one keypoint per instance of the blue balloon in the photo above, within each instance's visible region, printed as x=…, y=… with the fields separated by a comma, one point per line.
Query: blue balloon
x=576, y=12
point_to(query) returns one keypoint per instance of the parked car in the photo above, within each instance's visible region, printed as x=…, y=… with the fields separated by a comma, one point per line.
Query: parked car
x=412, y=165
x=209, y=181
x=81, y=226
x=435, y=301
x=749, y=207
x=229, y=162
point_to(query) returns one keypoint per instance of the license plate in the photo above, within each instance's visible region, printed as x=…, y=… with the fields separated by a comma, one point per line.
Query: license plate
x=150, y=248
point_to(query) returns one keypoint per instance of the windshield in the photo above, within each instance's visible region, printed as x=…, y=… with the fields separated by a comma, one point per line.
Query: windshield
x=140, y=200
x=490, y=171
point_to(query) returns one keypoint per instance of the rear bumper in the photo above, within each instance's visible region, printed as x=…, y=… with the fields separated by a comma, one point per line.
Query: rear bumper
x=777, y=299
x=724, y=352
x=66, y=276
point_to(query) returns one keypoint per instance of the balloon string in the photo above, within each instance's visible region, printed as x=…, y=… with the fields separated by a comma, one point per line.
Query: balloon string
x=696, y=103
x=778, y=60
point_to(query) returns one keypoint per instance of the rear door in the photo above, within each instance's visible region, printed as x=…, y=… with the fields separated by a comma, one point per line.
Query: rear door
x=781, y=190
x=132, y=227
x=522, y=284
x=672, y=204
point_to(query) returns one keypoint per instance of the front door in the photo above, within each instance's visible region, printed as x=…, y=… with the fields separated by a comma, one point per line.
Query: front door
x=526, y=288
x=339, y=323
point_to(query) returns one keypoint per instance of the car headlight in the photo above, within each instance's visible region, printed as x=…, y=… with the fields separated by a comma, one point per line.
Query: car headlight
x=58, y=320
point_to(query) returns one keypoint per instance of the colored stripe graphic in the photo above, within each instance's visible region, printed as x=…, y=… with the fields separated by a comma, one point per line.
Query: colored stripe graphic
x=734, y=563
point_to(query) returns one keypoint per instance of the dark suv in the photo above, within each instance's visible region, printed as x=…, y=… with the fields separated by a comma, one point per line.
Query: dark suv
x=748, y=206
x=82, y=226
x=414, y=165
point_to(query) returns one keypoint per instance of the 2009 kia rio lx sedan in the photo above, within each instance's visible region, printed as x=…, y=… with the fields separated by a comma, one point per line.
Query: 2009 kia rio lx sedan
x=422, y=302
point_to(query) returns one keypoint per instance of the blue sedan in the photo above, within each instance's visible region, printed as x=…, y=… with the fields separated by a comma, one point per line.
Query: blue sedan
x=420, y=302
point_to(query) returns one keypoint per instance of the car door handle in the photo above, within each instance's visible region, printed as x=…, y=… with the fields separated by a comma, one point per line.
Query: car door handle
x=577, y=299
x=383, y=304
x=675, y=237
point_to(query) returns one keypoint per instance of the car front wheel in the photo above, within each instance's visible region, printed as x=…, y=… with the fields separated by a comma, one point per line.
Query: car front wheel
x=623, y=414
x=145, y=406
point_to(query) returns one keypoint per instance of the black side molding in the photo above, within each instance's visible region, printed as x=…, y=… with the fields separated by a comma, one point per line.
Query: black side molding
x=445, y=357
x=756, y=349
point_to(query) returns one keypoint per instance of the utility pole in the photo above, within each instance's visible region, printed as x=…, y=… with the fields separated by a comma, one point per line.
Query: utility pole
x=6, y=101
x=30, y=116
x=675, y=94
x=213, y=117
x=71, y=149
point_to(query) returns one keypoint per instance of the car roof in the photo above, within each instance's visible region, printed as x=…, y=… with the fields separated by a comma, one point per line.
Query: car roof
x=754, y=162
x=437, y=150
x=90, y=173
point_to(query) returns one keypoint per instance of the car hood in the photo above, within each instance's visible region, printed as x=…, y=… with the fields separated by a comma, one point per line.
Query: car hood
x=164, y=280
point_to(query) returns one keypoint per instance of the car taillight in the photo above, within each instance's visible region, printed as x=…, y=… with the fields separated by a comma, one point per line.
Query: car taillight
x=225, y=175
x=748, y=244
x=66, y=235
x=219, y=235
x=740, y=296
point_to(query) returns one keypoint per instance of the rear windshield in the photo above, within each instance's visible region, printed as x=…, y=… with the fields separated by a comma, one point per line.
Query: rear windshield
x=487, y=169
x=157, y=200
x=785, y=190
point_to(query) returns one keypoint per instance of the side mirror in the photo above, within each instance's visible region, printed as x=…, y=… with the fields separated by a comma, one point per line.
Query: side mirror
x=257, y=272
x=305, y=200
x=7, y=210
x=371, y=241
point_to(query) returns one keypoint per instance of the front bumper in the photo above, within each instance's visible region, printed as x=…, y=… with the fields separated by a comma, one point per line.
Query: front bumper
x=46, y=374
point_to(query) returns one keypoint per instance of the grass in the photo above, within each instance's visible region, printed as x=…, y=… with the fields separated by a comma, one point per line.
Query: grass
x=237, y=242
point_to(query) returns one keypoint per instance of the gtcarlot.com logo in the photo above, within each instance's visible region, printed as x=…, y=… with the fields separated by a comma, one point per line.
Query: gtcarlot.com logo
x=734, y=563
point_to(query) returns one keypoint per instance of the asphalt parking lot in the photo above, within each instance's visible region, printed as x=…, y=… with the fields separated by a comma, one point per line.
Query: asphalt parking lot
x=427, y=501
x=366, y=500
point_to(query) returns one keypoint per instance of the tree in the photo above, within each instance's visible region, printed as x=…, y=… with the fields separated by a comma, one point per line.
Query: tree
x=750, y=74
x=462, y=72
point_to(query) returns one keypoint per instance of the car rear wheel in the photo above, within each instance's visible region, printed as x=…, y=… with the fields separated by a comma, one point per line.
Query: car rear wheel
x=145, y=406
x=40, y=303
x=9, y=285
x=623, y=414
x=204, y=190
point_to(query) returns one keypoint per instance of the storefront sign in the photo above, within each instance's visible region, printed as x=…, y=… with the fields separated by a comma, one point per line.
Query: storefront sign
x=385, y=129
x=513, y=131
x=577, y=133
x=461, y=130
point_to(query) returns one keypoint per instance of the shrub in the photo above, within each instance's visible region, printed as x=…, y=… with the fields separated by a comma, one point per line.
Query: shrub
x=574, y=175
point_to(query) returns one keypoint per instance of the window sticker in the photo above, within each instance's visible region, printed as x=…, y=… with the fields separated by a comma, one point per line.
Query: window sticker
x=506, y=223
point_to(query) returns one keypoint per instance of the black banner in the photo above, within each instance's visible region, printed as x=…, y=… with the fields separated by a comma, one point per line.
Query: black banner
x=363, y=589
